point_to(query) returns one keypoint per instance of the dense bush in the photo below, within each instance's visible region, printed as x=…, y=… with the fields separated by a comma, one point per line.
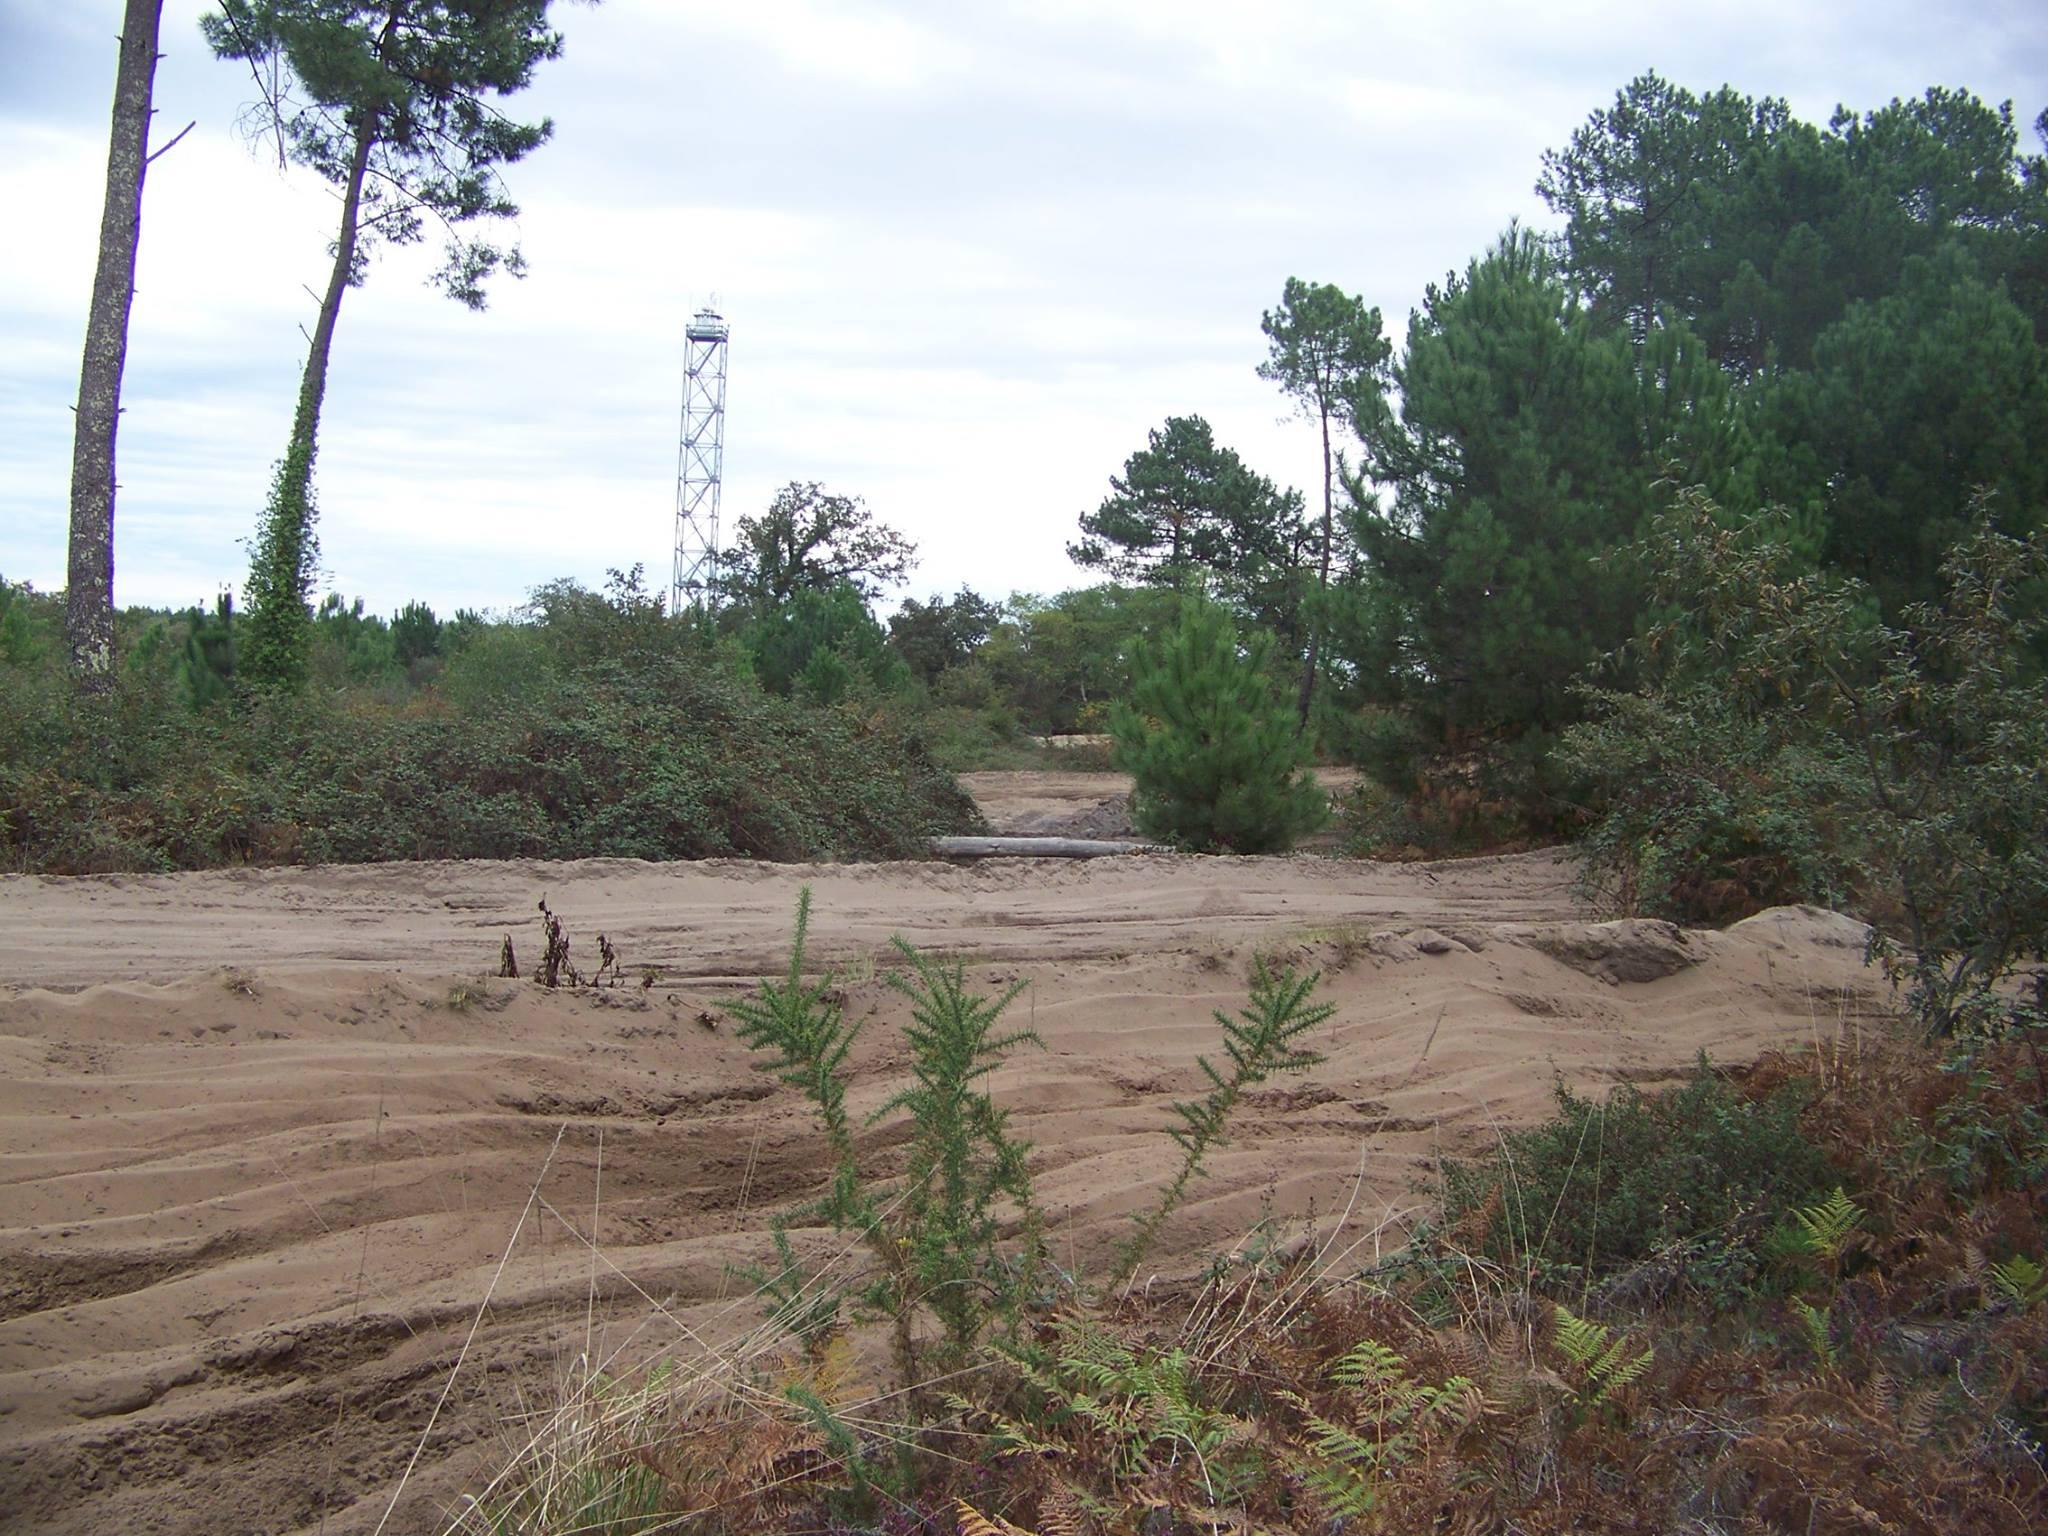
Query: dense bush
x=656, y=759
x=1788, y=743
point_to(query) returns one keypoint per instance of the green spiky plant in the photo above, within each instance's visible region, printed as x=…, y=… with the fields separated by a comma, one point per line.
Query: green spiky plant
x=1260, y=1041
x=936, y=1234
x=963, y=1160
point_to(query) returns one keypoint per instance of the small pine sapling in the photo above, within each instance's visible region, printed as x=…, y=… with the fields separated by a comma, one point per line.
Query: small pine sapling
x=1213, y=748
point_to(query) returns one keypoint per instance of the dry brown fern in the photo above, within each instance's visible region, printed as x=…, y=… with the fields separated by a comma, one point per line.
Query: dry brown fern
x=974, y=1523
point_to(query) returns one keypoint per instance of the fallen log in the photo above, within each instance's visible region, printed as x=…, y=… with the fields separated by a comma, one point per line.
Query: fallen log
x=1037, y=848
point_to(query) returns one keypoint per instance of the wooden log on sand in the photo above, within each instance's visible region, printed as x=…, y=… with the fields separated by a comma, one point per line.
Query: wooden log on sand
x=1037, y=848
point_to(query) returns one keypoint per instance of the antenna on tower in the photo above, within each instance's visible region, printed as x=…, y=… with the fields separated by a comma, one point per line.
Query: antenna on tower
x=700, y=460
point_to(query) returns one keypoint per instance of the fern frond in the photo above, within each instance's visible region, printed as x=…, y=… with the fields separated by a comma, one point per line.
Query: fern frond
x=1580, y=1341
x=1815, y=1321
x=974, y=1523
x=1011, y=1438
x=2021, y=1279
x=1604, y=1358
x=1826, y=1226
x=1918, y=1412
x=1370, y=1365
x=1062, y=1513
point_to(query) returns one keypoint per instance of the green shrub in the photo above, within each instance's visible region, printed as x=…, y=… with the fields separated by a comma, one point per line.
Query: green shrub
x=1785, y=729
x=1212, y=743
x=662, y=759
x=1694, y=1177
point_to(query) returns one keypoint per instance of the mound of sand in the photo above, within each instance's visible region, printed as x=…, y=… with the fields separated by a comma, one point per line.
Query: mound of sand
x=272, y=1137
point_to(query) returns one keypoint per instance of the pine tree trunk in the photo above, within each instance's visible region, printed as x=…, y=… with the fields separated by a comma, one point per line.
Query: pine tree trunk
x=89, y=590
x=1308, y=670
x=313, y=385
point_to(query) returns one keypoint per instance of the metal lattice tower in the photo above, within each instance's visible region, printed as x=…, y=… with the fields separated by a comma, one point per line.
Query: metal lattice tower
x=699, y=462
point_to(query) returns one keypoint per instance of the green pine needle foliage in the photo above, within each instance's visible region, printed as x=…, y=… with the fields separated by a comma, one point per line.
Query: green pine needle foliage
x=1212, y=745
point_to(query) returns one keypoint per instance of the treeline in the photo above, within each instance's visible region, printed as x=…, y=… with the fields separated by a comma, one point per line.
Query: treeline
x=1833, y=333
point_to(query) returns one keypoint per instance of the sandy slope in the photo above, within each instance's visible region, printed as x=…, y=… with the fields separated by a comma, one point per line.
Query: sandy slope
x=266, y=1138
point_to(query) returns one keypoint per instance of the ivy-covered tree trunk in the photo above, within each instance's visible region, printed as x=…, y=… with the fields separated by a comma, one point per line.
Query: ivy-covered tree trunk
x=281, y=567
x=390, y=101
x=89, y=592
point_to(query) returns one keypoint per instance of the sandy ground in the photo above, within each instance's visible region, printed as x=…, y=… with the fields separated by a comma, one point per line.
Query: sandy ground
x=269, y=1140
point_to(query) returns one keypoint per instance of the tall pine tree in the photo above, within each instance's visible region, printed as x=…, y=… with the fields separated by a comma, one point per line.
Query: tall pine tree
x=395, y=103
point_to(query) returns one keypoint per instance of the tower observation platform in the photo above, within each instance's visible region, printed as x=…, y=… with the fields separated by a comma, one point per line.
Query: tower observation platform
x=700, y=463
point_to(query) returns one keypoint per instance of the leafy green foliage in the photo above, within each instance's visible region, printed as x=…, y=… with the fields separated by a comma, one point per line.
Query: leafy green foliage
x=1212, y=746
x=936, y=637
x=1057, y=664
x=821, y=644
x=1925, y=739
x=810, y=540
x=658, y=757
x=24, y=621
x=283, y=565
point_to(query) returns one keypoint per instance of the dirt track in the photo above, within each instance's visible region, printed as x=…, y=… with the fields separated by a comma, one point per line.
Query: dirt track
x=266, y=1137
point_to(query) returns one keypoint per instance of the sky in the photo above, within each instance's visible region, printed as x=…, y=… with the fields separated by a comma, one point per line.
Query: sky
x=970, y=253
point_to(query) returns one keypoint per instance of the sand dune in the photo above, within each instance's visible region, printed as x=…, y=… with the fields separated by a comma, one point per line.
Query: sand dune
x=269, y=1138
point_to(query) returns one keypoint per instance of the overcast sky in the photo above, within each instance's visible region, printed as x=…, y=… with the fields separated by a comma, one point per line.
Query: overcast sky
x=970, y=253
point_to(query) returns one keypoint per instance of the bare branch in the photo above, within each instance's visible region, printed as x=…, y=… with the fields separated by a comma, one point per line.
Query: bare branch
x=152, y=159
